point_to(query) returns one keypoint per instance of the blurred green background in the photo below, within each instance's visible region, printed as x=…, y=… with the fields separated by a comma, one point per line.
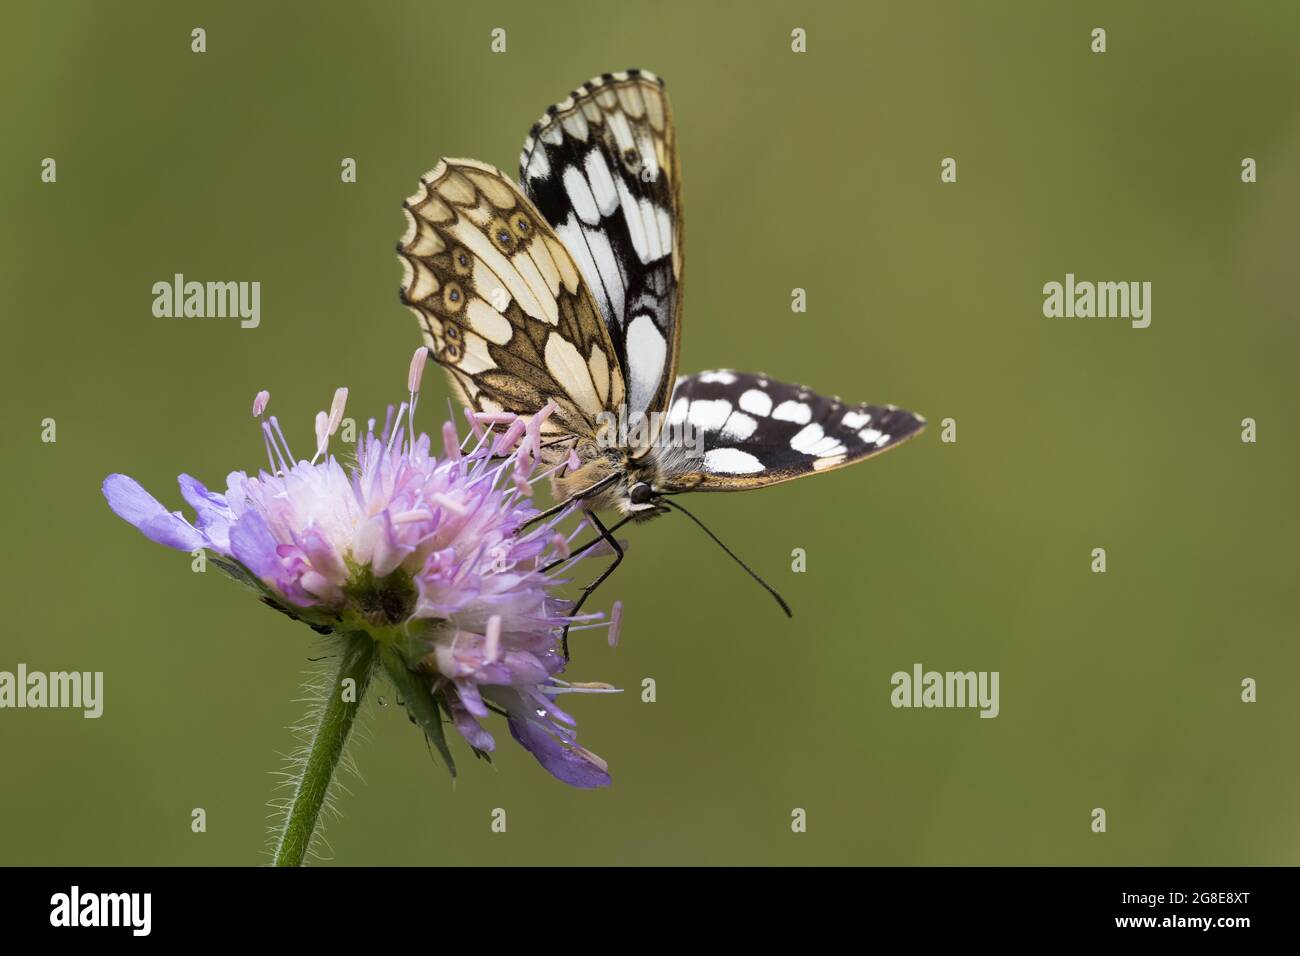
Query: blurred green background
x=818, y=171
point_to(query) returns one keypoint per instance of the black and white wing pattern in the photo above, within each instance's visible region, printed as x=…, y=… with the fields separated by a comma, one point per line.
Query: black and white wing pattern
x=501, y=303
x=758, y=431
x=602, y=168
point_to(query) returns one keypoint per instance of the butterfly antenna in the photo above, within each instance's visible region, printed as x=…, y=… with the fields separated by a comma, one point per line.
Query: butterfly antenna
x=735, y=557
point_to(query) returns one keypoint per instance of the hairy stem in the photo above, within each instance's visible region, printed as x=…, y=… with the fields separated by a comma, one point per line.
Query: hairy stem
x=337, y=714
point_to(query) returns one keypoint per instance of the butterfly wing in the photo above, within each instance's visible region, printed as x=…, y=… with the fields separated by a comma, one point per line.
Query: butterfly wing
x=602, y=168
x=757, y=431
x=501, y=302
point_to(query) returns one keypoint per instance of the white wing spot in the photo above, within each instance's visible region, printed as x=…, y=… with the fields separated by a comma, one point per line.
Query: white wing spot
x=873, y=437
x=677, y=414
x=665, y=229
x=646, y=352
x=580, y=197
x=654, y=246
x=856, y=420
x=635, y=224
x=602, y=184
x=571, y=234
x=594, y=257
x=756, y=402
x=618, y=125
x=738, y=427
x=719, y=378
x=812, y=440
x=731, y=461
x=607, y=270
x=798, y=412
x=808, y=438
x=566, y=366
x=711, y=414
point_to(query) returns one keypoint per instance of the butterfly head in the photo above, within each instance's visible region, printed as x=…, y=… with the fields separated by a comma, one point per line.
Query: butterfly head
x=611, y=480
x=642, y=499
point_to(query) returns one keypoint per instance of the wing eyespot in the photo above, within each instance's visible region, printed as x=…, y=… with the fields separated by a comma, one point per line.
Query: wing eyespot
x=501, y=236
x=461, y=262
x=453, y=298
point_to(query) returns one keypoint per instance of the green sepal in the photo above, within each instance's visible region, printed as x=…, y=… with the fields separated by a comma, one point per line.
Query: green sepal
x=419, y=702
x=320, y=621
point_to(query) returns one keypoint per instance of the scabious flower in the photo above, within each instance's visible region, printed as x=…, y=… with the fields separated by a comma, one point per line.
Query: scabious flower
x=433, y=557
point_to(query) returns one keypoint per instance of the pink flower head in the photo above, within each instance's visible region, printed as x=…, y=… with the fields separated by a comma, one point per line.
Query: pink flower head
x=431, y=556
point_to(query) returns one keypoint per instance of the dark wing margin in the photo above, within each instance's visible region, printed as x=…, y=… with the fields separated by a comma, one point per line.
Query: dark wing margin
x=757, y=431
x=602, y=167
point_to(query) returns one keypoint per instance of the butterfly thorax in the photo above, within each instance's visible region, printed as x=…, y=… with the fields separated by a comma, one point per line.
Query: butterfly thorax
x=621, y=483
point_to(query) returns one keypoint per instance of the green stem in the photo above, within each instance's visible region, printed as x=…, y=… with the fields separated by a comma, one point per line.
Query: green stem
x=328, y=741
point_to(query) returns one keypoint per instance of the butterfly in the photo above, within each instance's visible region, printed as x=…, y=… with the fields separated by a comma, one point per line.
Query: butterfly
x=565, y=290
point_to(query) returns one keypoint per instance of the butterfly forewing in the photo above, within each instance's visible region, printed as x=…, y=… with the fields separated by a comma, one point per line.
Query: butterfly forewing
x=602, y=168
x=502, y=303
x=757, y=431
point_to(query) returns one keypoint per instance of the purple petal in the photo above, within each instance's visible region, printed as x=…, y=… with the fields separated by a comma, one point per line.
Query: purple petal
x=469, y=728
x=253, y=546
x=252, y=543
x=389, y=551
x=377, y=545
x=569, y=763
x=136, y=506
x=324, y=557
x=471, y=699
x=214, y=515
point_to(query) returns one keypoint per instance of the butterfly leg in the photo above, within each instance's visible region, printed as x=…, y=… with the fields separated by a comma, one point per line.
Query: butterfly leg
x=605, y=535
x=548, y=513
x=557, y=508
x=582, y=549
x=547, y=444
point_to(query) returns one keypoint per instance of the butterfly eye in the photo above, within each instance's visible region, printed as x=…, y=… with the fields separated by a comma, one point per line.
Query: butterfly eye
x=640, y=493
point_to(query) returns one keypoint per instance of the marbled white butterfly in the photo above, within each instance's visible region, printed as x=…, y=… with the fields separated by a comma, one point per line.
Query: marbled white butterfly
x=568, y=289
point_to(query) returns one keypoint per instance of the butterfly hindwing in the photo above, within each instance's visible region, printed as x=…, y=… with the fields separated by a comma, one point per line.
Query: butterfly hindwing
x=602, y=168
x=501, y=302
x=757, y=431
